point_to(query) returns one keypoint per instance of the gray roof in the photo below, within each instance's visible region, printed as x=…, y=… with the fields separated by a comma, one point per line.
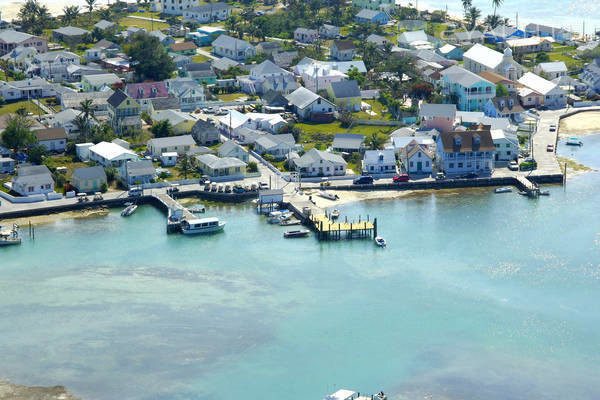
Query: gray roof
x=502, y=31
x=302, y=97
x=267, y=67
x=270, y=141
x=215, y=162
x=30, y=170
x=368, y=14
x=33, y=175
x=224, y=63
x=183, y=140
x=283, y=58
x=347, y=141
x=117, y=98
x=140, y=168
x=306, y=31
x=214, y=7
x=104, y=24
x=96, y=172
x=556, y=66
x=462, y=76
x=314, y=155
x=228, y=146
x=11, y=36
x=378, y=40
x=437, y=110
x=468, y=36
x=345, y=89
x=231, y=43
x=71, y=31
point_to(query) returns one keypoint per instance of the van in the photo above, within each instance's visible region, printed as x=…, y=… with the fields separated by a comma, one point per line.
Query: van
x=227, y=188
x=220, y=188
x=213, y=187
x=135, y=191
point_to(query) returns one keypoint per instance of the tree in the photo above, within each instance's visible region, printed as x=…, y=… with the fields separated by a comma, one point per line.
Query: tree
x=111, y=174
x=34, y=16
x=83, y=126
x=90, y=6
x=542, y=57
x=18, y=133
x=149, y=58
x=87, y=108
x=345, y=119
x=252, y=166
x=162, y=129
x=186, y=165
x=420, y=90
x=37, y=154
x=497, y=4
x=494, y=20
x=501, y=90
x=70, y=13
x=5, y=67
x=467, y=4
x=375, y=141
x=471, y=17
x=354, y=75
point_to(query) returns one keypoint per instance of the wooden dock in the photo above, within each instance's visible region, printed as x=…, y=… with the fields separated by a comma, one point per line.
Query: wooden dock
x=528, y=186
x=175, y=212
x=330, y=230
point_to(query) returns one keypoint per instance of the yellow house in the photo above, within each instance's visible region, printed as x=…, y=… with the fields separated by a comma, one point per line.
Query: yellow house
x=181, y=122
x=345, y=95
x=88, y=179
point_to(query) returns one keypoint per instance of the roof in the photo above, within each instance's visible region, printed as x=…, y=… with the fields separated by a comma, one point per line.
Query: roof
x=228, y=147
x=73, y=100
x=531, y=41
x=462, y=76
x=270, y=141
x=170, y=141
x=341, y=394
x=71, y=31
x=508, y=104
x=165, y=103
x=379, y=157
x=416, y=148
x=401, y=142
x=537, y=83
x=117, y=98
x=104, y=24
x=65, y=116
x=203, y=66
x=31, y=170
x=269, y=45
x=369, y=14
x=345, y=89
x=146, y=90
x=215, y=162
x=230, y=42
x=183, y=46
x=33, y=174
x=11, y=36
x=412, y=36
x=214, y=7
x=343, y=45
x=174, y=117
x=50, y=134
x=438, y=110
x=306, y=31
x=556, y=66
x=378, y=40
x=494, y=77
x=313, y=155
x=112, y=151
x=342, y=66
x=467, y=141
x=302, y=97
x=447, y=49
x=347, y=141
x=96, y=172
x=484, y=55
x=283, y=58
x=468, y=36
x=502, y=31
x=224, y=63
x=267, y=67
x=140, y=168
x=99, y=79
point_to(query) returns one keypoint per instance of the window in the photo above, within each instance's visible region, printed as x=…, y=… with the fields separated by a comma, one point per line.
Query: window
x=507, y=145
x=451, y=165
x=427, y=163
x=411, y=164
x=460, y=165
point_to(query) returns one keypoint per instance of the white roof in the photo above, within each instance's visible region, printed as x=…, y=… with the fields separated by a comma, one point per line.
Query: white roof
x=484, y=55
x=234, y=119
x=497, y=134
x=169, y=154
x=112, y=151
x=342, y=394
x=556, y=66
x=447, y=48
x=537, y=83
x=211, y=29
x=532, y=41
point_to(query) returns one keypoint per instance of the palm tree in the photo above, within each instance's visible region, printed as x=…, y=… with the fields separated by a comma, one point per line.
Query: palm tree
x=90, y=7
x=497, y=4
x=34, y=16
x=471, y=16
x=70, y=13
x=232, y=23
x=83, y=125
x=5, y=66
x=375, y=141
x=87, y=109
x=467, y=4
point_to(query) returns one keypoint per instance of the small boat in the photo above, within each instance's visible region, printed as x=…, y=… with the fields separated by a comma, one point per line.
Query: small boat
x=574, y=141
x=523, y=193
x=10, y=237
x=505, y=189
x=129, y=210
x=380, y=241
x=203, y=225
x=544, y=193
x=294, y=234
x=335, y=214
x=328, y=195
x=289, y=222
x=277, y=217
x=196, y=209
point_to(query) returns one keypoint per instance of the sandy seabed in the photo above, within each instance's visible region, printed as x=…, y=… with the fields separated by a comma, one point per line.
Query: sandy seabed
x=583, y=123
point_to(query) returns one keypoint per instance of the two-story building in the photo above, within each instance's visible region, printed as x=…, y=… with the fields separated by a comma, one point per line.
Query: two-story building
x=320, y=163
x=480, y=58
x=345, y=95
x=232, y=149
x=235, y=49
x=342, y=50
x=144, y=92
x=207, y=13
x=305, y=35
x=437, y=116
x=111, y=155
x=379, y=162
x=214, y=166
x=554, y=95
x=53, y=139
x=310, y=106
x=172, y=144
x=11, y=39
x=461, y=152
x=470, y=92
x=123, y=113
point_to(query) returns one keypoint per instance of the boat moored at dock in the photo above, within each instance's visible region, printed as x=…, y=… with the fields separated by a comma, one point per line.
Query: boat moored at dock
x=574, y=141
x=380, y=241
x=328, y=195
x=202, y=225
x=296, y=234
x=9, y=237
x=505, y=189
x=130, y=209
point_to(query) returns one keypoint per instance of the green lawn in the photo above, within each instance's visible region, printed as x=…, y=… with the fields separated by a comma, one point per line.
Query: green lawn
x=321, y=135
x=11, y=108
x=67, y=161
x=199, y=58
x=147, y=14
x=140, y=23
x=231, y=96
x=378, y=108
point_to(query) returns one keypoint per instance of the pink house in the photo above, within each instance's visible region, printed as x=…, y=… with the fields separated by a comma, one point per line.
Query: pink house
x=10, y=39
x=437, y=116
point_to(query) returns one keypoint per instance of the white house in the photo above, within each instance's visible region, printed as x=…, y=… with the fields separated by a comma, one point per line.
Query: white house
x=234, y=120
x=175, y=7
x=305, y=35
x=66, y=120
x=417, y=159
x=379, y=162
x=462, y=152
x=507, y=145
x=140, y=172
x=554, y=96
x=171, y=144
x=111, y=155
x=320, y=163
x=7, y=165
x=317, y=77
x=232, y=149
x=208, y=13
x=168, y=159
x=309, y=105
x=480, y=58
x=33, y=179
x=551, y=70
x=279, y=146
x=53, y=139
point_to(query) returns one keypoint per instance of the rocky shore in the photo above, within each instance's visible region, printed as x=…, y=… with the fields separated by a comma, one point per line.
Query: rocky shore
x=10, y=391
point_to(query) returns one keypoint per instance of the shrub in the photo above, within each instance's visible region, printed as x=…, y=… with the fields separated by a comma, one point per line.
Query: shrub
x=104, y=188
x=252, y=166
x=269, y=157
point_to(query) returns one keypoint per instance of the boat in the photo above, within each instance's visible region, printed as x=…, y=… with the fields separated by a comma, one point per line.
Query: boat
x=289, y=222
x=380, y=241
x=574, y=141
x=10, y=237
x=196, y=209
x=505, y=189
x=129, y=210
x=276, y=217
x=202, y=225
x=335, y=214
x=294, y=234
x=544, y=193
x=523, y=193
x=328, y=195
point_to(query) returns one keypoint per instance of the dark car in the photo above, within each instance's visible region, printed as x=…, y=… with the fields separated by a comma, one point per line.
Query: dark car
x=401, y=178
x=363, y=180
x=469, y=175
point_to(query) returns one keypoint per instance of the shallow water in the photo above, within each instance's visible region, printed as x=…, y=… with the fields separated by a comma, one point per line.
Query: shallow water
x=478, y=295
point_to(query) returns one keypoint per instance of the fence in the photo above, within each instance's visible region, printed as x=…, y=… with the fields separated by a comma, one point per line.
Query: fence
x=26, y=199
x=266, y=163
x=579, y=104
x=377, y=122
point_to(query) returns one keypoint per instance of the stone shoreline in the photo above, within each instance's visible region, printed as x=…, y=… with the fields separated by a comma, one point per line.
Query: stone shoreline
x=19, y=392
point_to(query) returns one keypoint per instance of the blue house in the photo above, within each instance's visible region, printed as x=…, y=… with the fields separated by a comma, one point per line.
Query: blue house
x=502, y=33
x=471, y=91
x=372, y=17
x=451, y=52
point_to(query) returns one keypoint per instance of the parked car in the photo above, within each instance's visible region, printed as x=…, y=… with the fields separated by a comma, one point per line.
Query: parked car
x=401, y=178
x=263, y=185
x=363, y=180
x=552, y=128
x=325, y=182
x=513, y=165
x=550, y=148
x=468, y=175
x=440, y=176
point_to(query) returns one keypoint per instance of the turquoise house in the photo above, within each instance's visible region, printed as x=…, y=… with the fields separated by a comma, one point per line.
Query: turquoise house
x=471, y=91
x=205, y=35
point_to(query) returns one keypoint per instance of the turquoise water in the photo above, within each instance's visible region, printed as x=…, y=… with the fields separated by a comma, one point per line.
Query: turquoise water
x=477, y=296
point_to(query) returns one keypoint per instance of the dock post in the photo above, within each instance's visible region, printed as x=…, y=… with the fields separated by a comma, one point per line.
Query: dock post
x=375, y=228
x=565, y=178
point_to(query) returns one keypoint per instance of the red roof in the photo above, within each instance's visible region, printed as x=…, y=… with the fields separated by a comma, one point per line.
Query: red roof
x=147, y=90
x=183, y=46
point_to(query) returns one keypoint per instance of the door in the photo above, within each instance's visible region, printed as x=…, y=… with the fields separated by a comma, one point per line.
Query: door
x=419, y=166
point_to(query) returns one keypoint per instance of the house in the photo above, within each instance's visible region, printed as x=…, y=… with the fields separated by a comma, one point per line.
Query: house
x=109, y=48
x=139, y=172
x=111, y=155
x=345, y=95
x=235, y=49
x=377, y=40
x=558, y=34
x=201, y=73
x=276, y=145
x=308, y=63
x=123, y=112
x=88, y=180
x=348, y=143
x=585, y=49
x=144, y=92
x=505, y=107
x=178, y=144
x=317, y=77
x=320, y=163
x=551, y=70
x=10, y=39
x=173, y=7
x=272, y=98
x=554, y=96
x=131, y=31
x=327, y=31
x=461, y=152
x=168, y=159
x=399, y=143
x=268, y=47
x=207, y=13
x=283, y=59
x=20, y=57
x=181, y=122
x=33, y=88
x=372, y=17
x=278, y=79
x=415, y=40
x=472, y=92
x=53, y=139
x=52, y=65
x=417, y=159
x=66, y=121
x=123, y=143
x=165, y=40
x=32, y=180
x=342, y=50
x=310, y=106
x=373, y=4
x=234, y=120
x=70, y=34
x=533, y=44
x=232, y=149
x=5, y=152
x=163, y=103
x=304, y=35
x=529, y=97
x=213, y=166
x=496, y=79
x=451, y=52
x=569, y=84
x=7, y=165
x=180, y=60
x=205, y=133
x=507, y=146
x=247, y=136
x=99, y=101
x=105, y=25
x=590, y=75
x=502, y=33
x=189, y=92
x=467, y=38
x=437, y=116
x=379, y=162
x=95, y=83
x=184, y=48
x=206, y=35
x=480, y=58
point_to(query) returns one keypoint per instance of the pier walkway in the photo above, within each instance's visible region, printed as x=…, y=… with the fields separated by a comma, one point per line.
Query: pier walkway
x=327, y=229
x=175, y=212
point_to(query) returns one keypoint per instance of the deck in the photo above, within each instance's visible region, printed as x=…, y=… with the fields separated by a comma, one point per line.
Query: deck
x=173, y=208
x=330, y=230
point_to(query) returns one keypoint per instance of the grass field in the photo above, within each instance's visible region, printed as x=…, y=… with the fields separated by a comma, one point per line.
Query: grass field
x=231, y=96
x=140, y=23
x=376, y=107
x=11, y=108
x=321, y=135
x=199, y=58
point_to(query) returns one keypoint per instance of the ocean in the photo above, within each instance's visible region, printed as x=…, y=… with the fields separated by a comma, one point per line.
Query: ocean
x=478, y=295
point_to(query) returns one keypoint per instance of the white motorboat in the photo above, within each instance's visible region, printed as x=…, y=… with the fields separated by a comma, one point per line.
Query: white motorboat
x=10, y=237
x=202, y=225
x=574, y=141
x=295, y=234
x=335, y=214
x=197, y=209
x=328, y=195
x=505, y=189
x=380, y=241
x=129, y=210
x=289, y=222
x=277, y=217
